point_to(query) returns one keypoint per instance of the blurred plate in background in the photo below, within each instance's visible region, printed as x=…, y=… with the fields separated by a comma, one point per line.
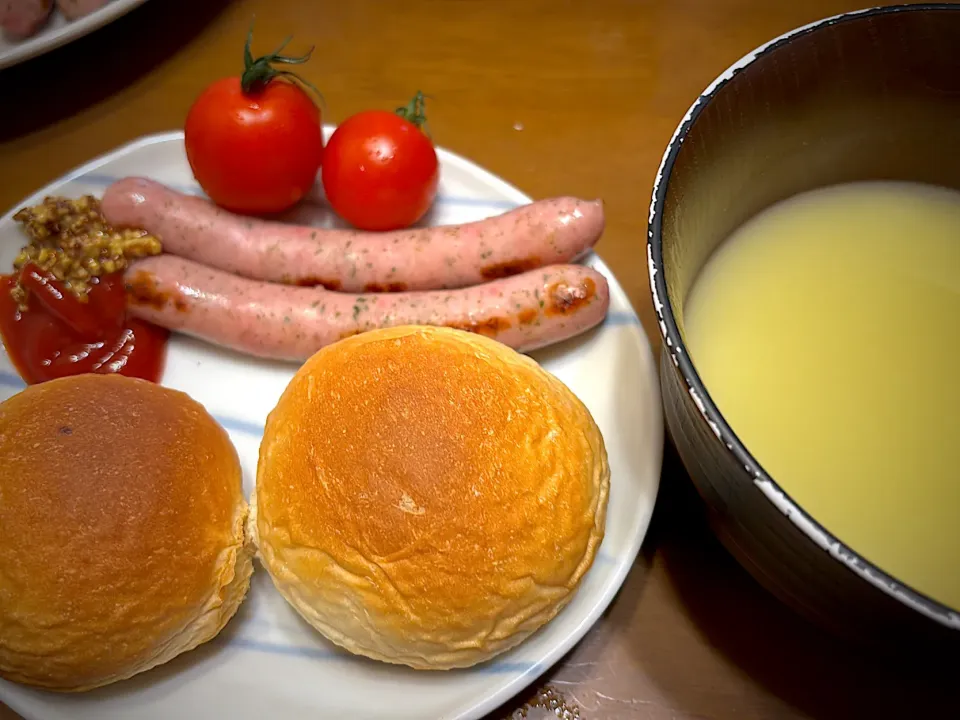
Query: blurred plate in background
x=59, y=31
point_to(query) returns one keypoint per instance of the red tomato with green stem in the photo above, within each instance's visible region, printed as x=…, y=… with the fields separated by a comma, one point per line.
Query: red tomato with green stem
x=255, y=142
x=380, y=168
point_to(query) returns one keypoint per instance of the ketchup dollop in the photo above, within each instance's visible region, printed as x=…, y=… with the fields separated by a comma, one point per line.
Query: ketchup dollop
x=58, y=334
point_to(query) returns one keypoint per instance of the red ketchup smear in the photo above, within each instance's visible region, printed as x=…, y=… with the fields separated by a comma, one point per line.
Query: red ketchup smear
x=58, y=335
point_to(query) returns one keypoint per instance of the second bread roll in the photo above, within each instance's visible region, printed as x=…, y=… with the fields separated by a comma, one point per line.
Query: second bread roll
x=427, y=496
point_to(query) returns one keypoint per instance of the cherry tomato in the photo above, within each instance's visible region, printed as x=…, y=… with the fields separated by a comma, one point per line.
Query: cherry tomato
x=255, y=142
x=380, y=170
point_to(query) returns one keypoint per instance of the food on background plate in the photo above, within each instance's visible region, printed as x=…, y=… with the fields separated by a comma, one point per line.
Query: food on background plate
x=544, y=232
x=63, y=310
x=21, y=19
x=122, y=539
x=73, y=9
x=255, y=142
x=526, y=312
x=380, y=169
x=428, y=497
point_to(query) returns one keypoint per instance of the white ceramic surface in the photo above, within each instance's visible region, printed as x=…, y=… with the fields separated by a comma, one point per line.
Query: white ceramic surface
x=59, y=31
x=268, y=663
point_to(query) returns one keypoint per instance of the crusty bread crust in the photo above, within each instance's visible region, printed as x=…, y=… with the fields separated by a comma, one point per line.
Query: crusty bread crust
x=428, y=496
x=122, y=538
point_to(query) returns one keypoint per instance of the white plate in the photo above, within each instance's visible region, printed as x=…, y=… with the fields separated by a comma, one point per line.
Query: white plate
x=268, y=663
x=59, y=31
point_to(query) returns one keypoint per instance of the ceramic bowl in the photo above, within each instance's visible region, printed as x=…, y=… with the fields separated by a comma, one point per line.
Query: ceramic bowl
x=866, y=95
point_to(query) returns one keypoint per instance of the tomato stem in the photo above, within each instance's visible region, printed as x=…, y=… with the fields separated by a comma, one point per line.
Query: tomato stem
x=259, y=72
x=414, y=112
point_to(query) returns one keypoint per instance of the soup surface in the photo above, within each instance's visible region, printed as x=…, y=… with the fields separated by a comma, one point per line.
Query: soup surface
x=827, y=332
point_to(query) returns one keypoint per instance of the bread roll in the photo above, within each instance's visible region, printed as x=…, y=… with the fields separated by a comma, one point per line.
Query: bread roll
x=121, y=530
x=427, y=496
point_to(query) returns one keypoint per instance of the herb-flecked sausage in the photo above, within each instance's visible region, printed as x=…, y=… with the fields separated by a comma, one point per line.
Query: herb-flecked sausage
x=269, y=320
x=545, y=232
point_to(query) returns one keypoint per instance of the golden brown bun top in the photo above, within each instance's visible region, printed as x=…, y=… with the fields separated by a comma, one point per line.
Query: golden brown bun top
x=117, y=499
x=444, y=470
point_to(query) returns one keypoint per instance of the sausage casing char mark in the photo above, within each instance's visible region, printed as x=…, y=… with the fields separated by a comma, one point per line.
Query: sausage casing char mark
x=23, y=18
x=269, y=320
x=545, y=232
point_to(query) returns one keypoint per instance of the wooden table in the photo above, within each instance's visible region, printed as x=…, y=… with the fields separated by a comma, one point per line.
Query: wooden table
x=559, y=97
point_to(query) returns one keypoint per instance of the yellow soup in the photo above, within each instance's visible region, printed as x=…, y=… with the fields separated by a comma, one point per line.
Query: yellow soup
x=827, y=332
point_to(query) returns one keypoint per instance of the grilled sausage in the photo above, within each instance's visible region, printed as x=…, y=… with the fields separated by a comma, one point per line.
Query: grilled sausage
x=546, y=232
x=269, y=320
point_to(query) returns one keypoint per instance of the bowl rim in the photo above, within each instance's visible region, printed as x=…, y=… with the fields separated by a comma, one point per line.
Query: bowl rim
x=674, y=345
